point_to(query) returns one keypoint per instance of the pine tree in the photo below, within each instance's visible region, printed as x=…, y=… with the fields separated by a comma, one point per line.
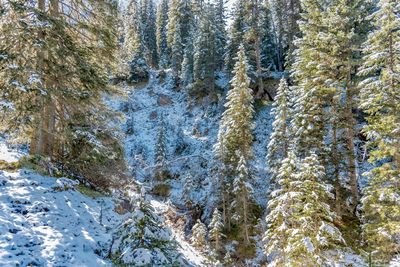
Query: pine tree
x=199, y=235
x=142, y=240
x=220, y=33
x=236, y=123
x=311, y=119
x=54, y=71
x=236, y=34
x=242, y=191
x=188, y=63
x=278, y=145
x=300, y=223
x=235, y=136
x=180, y=23
x=216, y=227
x=379, y=99
x=148, y=21
x=204, y=56
x=162, y=45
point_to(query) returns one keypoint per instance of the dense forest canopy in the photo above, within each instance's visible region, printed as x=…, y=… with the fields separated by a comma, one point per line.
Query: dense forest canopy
x=330, y=70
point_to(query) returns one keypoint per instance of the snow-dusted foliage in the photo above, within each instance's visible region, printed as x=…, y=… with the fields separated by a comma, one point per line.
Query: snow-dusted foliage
x=199, y=235
x=300, y=223
x=143, y=240
x=379, y=94
x=279, y=142
x=216, y=227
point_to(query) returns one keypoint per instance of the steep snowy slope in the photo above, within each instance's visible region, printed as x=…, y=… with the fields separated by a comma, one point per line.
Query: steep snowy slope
x=191, y=132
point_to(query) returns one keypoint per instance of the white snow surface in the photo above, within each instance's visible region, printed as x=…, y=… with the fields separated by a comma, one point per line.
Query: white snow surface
x=43, y=226
x=7, y=154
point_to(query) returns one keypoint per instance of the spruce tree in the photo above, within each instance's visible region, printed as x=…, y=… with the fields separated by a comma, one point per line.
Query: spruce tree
x=162, y=45
x=216, y=227
x=236, y=34
x=143, y=240
x=237, y=120
x=54, y=71
x=235, y=145
x=300, y=223
x=242, y=191
x=280, y=138
x=148, y=21
x=379, y=100
x=204, y=53
x=220, y=33
x=160, y=150
x=199, y=235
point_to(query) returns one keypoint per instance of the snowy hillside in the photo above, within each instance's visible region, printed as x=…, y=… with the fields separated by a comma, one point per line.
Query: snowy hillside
x=191, y=133
x=44, y=221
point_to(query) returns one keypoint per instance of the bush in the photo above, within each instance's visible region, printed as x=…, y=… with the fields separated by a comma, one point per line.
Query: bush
x=161, y=190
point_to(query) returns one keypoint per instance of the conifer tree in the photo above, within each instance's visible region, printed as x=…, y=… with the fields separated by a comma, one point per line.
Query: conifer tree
x=278, y=145
x=300, y=224
x=237, y=120
x=199, y=235
x=54, y=71
x=379, y=99
x=142, y=240
x=235, y=136
x=242, y=191
x=162, y=45
x=220, y=33
x=216, y=227
x=204, y=56
x=148, y=21
x=188, y=63
x=236, y=34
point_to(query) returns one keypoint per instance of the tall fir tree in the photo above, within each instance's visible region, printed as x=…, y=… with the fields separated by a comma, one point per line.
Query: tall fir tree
x=278, y=145
x=235, y=139
x=220, y=33
x=199, y=235
x=216, y=228
x=204, y=64
x=380, y=100
x=54, y=72
x=148, y=21
x=162, y=45
x=236, y=34
x=242, y=191
x=300, y=223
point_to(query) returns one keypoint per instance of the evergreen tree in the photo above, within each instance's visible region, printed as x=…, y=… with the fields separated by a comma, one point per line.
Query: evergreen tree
x=300, y=224
x=188, y=63
x=180, y=23
x=162, y=45
x=142, y=240
x=220, y=33
x=235, y=145
x=242, y=191
x=311, y=119
x=148, y=21
x=269, y=59
x=236, y=34
x=54, y=70
x=199, y=235
x=216, y=227
x=204, y=55
x=379, y=99
x=279, y=142
x=236, y=123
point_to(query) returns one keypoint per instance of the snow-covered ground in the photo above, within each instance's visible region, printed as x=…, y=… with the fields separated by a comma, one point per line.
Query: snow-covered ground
x=43, y=223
